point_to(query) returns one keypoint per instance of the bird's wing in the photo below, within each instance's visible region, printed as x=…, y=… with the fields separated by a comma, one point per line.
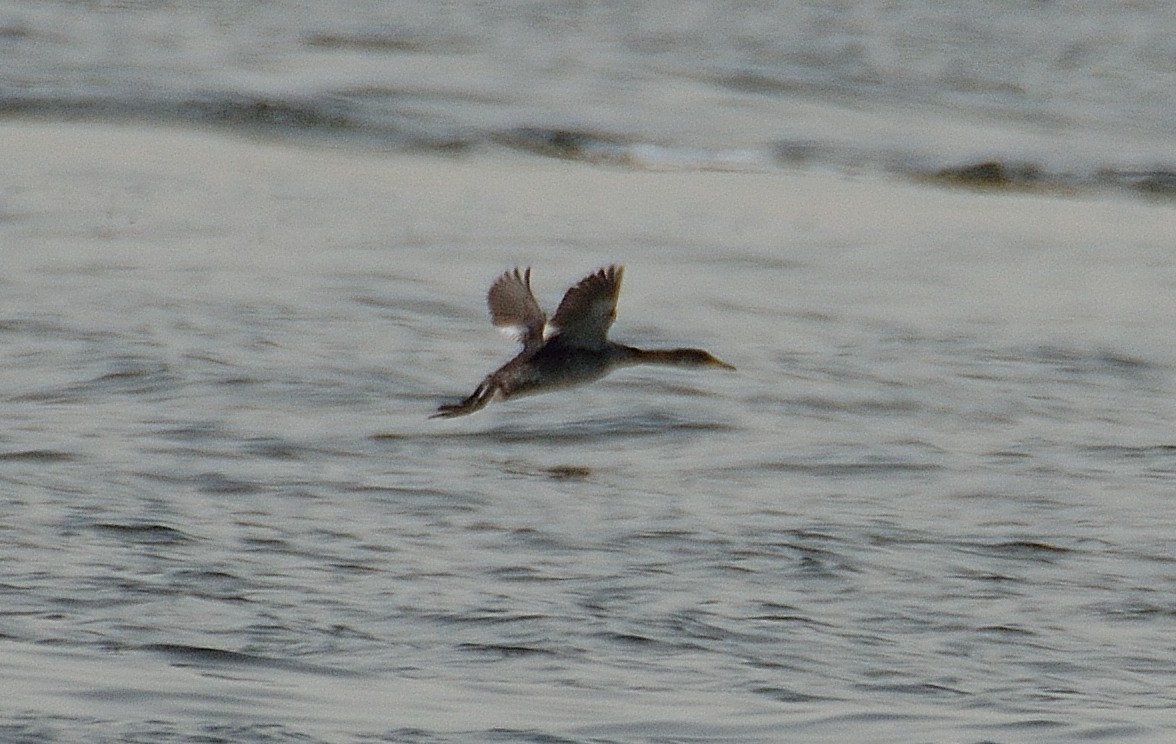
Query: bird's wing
x=513, y=307
x=587, y=310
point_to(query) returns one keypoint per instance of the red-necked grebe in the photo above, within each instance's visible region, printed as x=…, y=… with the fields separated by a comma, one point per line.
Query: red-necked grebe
x=572, y=349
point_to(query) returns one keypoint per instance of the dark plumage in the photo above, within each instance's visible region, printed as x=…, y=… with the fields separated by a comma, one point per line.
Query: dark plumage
x=572, y=349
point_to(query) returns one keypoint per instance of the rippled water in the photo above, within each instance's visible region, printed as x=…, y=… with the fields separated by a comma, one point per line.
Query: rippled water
x=933, y=504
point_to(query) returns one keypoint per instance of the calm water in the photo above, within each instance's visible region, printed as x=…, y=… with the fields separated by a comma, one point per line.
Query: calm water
x=934, y=504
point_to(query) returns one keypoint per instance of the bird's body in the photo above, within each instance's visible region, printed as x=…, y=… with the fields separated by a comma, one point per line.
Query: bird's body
x=573, y=349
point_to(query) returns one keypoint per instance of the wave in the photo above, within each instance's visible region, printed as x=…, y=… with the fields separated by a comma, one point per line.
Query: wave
x=390, y=119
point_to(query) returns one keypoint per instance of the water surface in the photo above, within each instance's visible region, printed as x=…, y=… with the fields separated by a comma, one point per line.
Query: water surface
x=245, y=254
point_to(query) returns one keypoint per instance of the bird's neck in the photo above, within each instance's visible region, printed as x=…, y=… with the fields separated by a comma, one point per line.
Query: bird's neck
x=632, y=355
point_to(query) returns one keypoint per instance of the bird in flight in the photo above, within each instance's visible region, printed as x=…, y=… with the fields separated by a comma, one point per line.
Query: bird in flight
x=570, y=349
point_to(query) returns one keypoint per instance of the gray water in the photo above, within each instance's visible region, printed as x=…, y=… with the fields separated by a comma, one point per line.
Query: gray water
x=1047, y=94
x=933, y=504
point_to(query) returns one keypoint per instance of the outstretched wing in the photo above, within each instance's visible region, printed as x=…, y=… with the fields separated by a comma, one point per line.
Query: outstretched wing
x=587, y=310
x=513, y=307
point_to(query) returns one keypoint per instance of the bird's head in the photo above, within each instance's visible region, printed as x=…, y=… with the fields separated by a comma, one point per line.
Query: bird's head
x=698, y=358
